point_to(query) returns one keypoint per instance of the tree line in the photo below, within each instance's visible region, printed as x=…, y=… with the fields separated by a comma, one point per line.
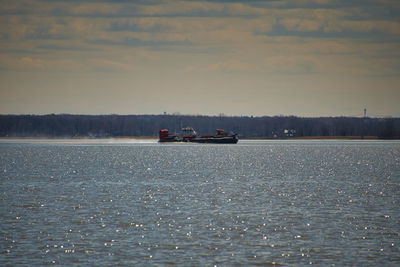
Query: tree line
x=66, y=125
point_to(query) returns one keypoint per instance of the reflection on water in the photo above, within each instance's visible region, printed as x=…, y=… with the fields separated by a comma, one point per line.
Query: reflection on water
x=122, y=202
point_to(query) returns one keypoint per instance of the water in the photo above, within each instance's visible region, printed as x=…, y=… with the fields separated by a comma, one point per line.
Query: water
x=124, y=203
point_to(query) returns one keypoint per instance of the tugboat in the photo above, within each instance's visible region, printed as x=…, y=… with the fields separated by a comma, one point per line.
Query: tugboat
x=190, y=135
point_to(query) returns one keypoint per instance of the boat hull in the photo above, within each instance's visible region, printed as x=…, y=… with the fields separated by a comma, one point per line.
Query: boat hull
x=211, y=140
x=224, y=140
x=168, y=140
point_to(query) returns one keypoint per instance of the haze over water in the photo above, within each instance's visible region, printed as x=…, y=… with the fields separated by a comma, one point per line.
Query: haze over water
x=127, y=203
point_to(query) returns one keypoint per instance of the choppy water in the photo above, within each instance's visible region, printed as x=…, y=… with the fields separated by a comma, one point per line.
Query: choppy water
x=255, y=203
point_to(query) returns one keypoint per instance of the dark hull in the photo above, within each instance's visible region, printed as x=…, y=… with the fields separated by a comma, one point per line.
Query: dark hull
x=169, y=140
x=210, y=140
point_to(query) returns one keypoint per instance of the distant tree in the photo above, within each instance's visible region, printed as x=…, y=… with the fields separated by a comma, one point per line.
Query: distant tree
x=388, y=129
x=65, y=125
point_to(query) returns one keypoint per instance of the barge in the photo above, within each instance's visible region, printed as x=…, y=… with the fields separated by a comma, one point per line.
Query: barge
x=190, y=135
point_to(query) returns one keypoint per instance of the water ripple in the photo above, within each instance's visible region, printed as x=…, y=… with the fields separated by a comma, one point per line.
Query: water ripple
x=266, y=203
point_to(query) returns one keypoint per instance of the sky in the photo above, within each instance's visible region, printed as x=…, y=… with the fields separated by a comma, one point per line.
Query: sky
x=305, y=58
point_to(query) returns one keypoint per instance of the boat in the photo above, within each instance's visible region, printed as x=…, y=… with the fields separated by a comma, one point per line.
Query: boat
x=188, y=134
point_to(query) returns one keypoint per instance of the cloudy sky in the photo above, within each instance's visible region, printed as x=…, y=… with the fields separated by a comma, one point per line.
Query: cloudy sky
x=271, y=57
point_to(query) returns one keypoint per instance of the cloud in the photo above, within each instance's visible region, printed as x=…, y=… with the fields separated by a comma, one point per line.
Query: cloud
x=143, y=25
x=13, y=62
x=243, y=31
x=383, y=27
x=139, y=42
x=79, y=18
x=28, y=62
x=66, y=47
x=39, y=64
x=330, y=23
x=45, y=64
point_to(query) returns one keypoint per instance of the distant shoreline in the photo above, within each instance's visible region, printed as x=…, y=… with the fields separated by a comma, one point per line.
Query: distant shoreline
x=148, y=126
x=78, y=138
x=321, y=138
x=156, y=138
